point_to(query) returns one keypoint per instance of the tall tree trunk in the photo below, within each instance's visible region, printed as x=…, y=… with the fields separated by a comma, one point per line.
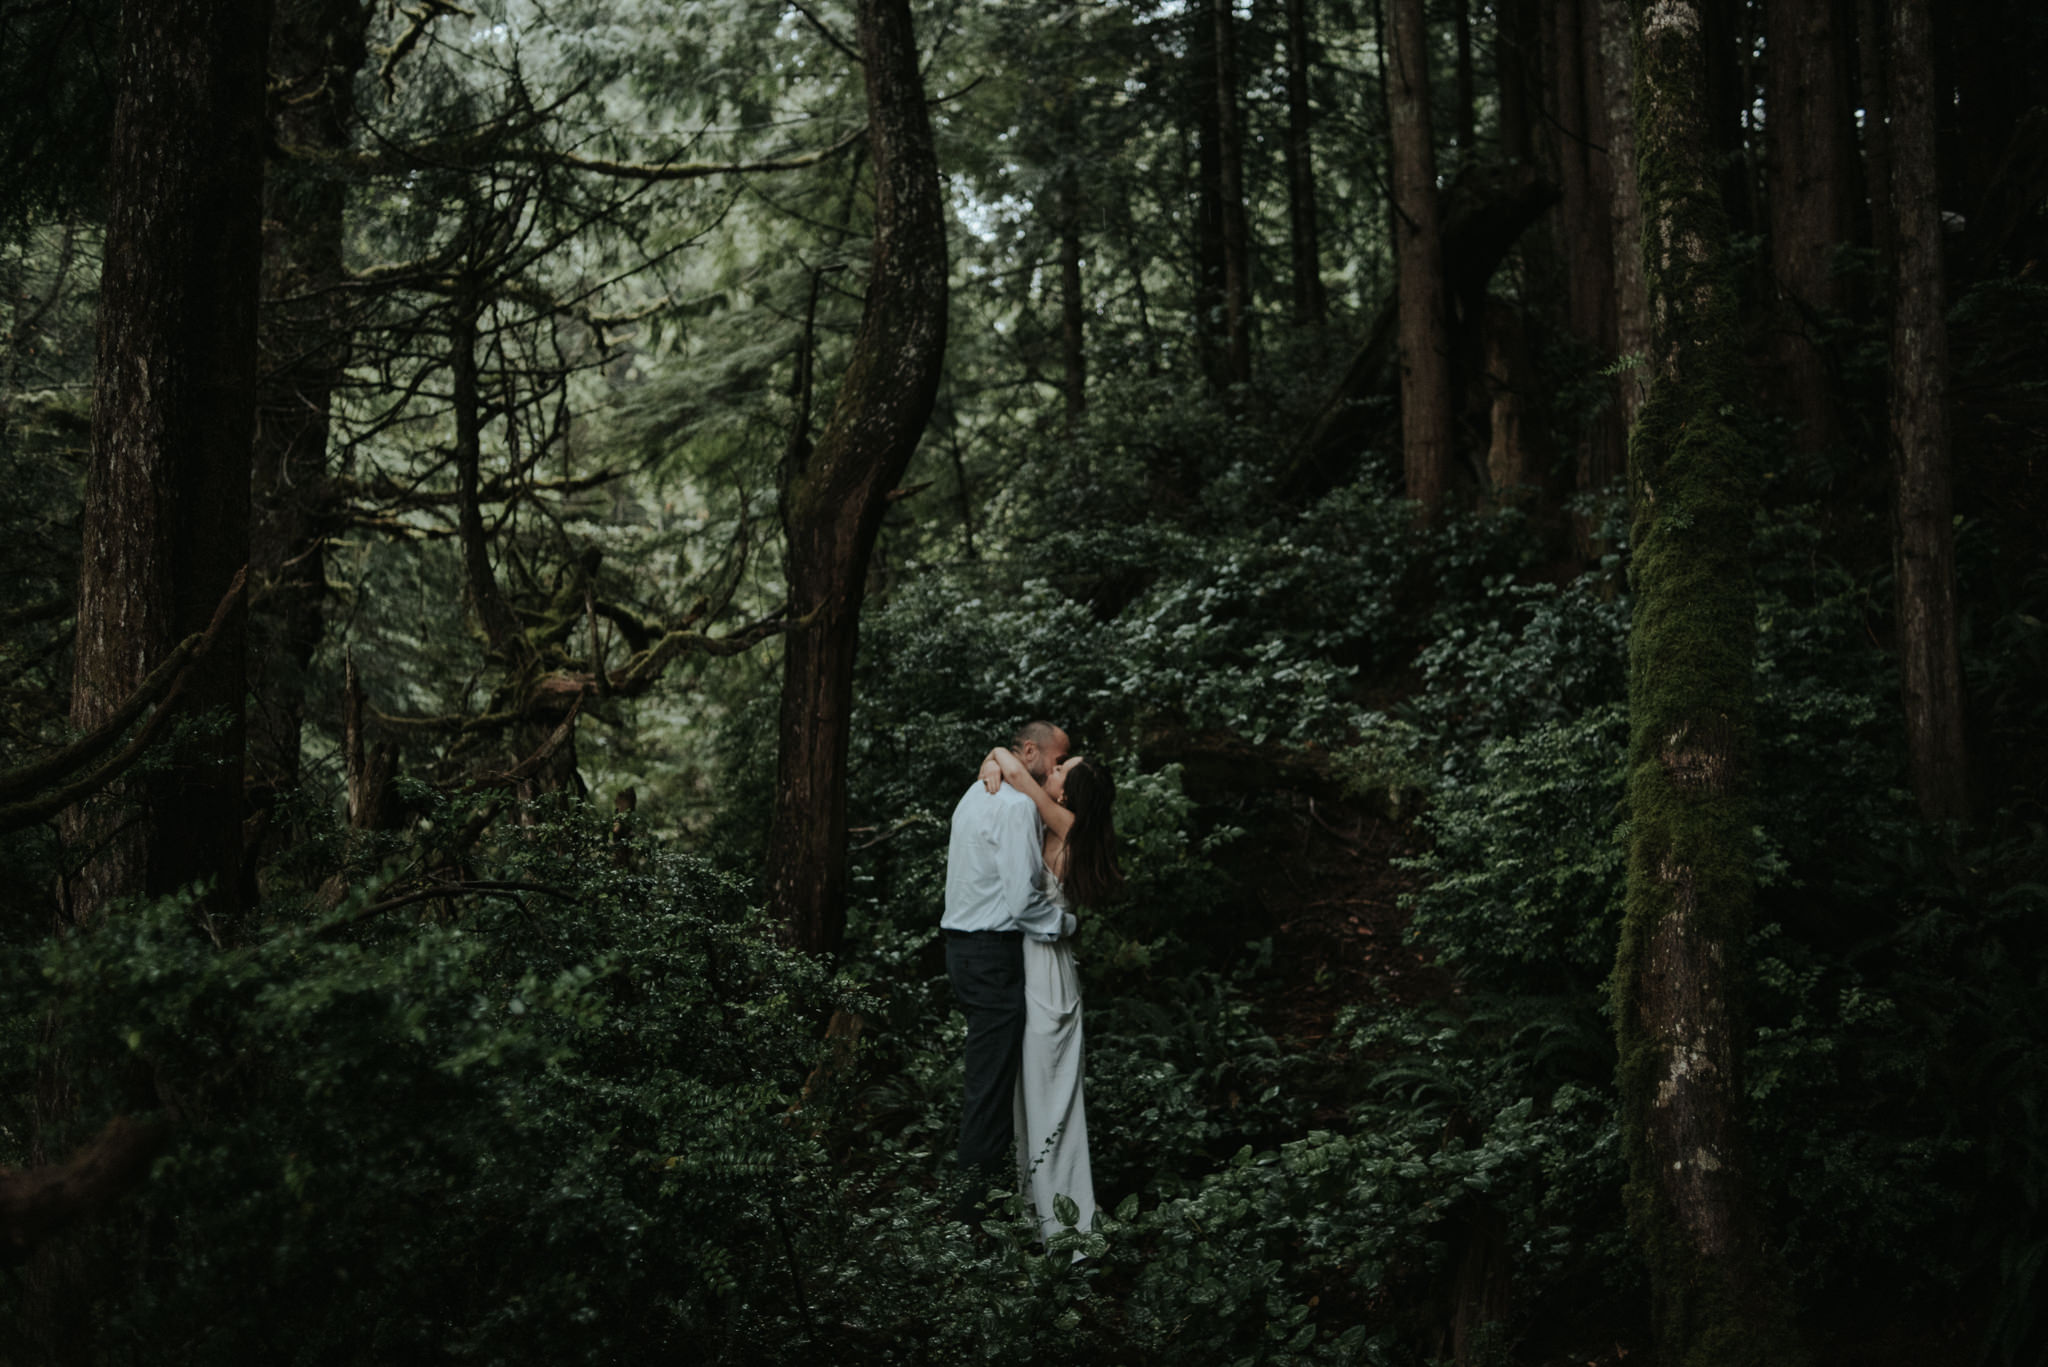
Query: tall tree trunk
x=1212, y=328
x=1812, y=178
x=1715, y=1294
x=166, y=519
x=316, y=48
x=1511, y=473
x=541, y=747
x=494, y=616
x=833, y=496
x=1873, y=79
x=1464, y=103
x=1073, y=304
x=1930, y=675
x=1237, y=257
x=1068, y=206
x=1424, y=327
x=167, y=490
x=1514, y=58
x=1631, y=300
x=1747, y=151
x=1586, y=214
x=1309, y=303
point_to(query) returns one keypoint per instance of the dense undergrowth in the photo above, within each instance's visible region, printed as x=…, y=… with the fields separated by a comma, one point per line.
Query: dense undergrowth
x=573, y=1123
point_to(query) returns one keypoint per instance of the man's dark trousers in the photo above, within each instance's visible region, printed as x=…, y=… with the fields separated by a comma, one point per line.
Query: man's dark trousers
x=987, y=972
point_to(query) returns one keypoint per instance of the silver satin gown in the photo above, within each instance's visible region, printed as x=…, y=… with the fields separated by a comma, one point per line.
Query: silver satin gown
x=1051, y=1120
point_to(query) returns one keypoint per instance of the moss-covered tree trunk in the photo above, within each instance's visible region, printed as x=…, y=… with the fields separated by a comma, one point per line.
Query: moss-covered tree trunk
x=1694, y=488
x=833, y=496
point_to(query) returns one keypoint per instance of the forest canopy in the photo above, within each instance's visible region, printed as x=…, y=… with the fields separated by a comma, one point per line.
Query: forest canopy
x=521, y=521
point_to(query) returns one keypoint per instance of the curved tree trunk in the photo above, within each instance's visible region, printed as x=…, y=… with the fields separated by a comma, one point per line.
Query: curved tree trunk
x=1424, y=325
x=167, y=491
x=1716, y=1293
x=833, y=496
x=1930, y=674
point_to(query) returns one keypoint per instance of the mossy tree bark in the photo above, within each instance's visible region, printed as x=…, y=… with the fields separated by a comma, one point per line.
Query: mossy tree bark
x=1695, y=494
x=1930, y=671
x=1424, y=321
x=833, y=495
x=167, y=489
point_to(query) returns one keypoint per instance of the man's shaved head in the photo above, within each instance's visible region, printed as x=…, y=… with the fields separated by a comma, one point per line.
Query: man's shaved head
x=1040, y=733
x=1041, y=746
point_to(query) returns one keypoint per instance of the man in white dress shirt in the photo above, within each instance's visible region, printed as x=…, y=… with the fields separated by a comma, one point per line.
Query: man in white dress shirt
x=996, y=894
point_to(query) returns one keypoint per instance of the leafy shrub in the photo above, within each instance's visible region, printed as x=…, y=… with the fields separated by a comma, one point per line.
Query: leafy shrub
x=543, y=1124
x=1526, y=865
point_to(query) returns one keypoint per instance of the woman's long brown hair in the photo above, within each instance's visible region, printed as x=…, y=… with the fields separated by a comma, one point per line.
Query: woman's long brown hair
x=1092, y=877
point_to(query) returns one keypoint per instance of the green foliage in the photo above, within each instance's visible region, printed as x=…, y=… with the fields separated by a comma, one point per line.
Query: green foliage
x=538, y=1124
x=555, y=1123
x=55, y=64
x=1526, y=866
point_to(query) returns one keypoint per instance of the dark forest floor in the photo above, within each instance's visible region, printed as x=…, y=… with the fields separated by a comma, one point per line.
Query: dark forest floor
x=1325, y=878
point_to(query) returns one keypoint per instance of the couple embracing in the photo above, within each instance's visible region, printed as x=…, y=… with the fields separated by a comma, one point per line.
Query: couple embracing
x=1032, y=839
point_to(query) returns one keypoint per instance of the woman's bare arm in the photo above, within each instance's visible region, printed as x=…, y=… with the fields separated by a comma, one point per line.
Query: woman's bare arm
x=1012, y=771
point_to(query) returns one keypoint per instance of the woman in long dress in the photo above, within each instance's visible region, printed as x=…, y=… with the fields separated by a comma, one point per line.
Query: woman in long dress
x=1076, y=803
